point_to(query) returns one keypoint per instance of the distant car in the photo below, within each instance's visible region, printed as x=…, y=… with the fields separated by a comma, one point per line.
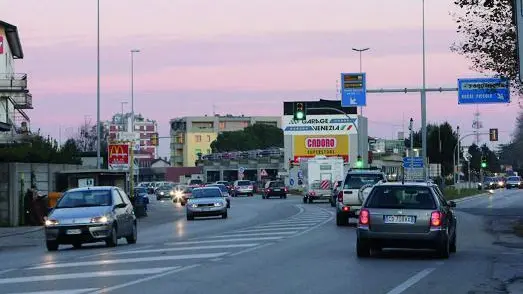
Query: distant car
x=242, y=188
x=225, y=193
x=489, y=183
x=514, y=182
x=164, y=191
x=91, y=214
x=206, y=201
x=227, y=184
x=196, y=182
x=338, y=186
x=182, y=196
x=406, y=215
x=274, y=189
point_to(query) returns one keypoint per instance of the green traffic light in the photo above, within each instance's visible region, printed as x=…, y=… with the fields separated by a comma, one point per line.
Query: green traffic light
x=299, y=115
x=359, y=163
x=483, y=164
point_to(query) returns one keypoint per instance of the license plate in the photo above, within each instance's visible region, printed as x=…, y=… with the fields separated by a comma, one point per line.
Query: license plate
x=74, y=232
x=399, y=219
x=205, y=208
x=277, y=190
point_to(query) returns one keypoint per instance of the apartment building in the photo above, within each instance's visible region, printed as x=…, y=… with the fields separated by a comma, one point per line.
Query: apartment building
x=143, y=129
x=14, y=94
x=194, y=134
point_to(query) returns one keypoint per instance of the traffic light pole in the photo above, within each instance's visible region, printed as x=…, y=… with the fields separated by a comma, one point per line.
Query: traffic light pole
x=454, y=154
x=350, y=120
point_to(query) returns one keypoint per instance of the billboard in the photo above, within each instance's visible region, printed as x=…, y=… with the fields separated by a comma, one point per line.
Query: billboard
x=312, y=145
x=1, y=45
x=332, y=124
x=118, y=156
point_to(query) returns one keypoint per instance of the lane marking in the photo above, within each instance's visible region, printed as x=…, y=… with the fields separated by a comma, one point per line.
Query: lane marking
x=411, y=281
x=142, y=280
x=296, y=222
x=251, y=249
x=252, y=235
x=265, y=230
x=190, y=248
x=70, y=291
x=130, y=260
x=112, y=252
x=99, y=274
x=314, y=227
x=217, y=259
x=282, y=226
x=226, y=240
x=7, y=271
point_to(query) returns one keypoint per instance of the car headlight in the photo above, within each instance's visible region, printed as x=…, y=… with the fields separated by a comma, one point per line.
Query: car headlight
x=178, y=194
x=51, y=222
x=100, y=220
x=161, y=193
x=519, y=183
x=218, y=204
x=171, y=193
x=194, y=205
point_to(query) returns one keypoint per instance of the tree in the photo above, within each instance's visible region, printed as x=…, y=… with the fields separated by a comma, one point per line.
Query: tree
x=257, y=136
x=488, y=38
x=512, y=153
x=86, y=139
x=38, y=149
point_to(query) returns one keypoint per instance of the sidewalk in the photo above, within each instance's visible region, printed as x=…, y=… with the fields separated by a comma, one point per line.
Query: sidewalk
x=21, y=237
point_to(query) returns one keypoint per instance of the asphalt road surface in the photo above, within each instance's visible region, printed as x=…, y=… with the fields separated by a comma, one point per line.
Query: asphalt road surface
x=270, y=246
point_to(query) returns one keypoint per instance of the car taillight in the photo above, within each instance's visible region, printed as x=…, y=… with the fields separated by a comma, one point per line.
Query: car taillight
x=286, y=190
x=340, y=196
x=312, y=193
x=364, y=217
x=435, y=219
x=250, y=187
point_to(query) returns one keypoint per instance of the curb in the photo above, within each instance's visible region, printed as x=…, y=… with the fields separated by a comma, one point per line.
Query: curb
x=36, y=229
x=457, y=201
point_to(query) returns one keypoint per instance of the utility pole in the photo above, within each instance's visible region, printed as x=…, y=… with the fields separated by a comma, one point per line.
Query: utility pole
x=98, y=124
x=424, y=97
x=411, y=136
x=131, y=165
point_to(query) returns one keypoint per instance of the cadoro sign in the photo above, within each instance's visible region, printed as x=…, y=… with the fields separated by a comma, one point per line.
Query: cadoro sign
x=320, y=143
x=320, y=125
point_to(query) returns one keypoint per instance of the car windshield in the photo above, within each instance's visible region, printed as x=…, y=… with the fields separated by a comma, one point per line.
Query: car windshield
x=276, y=185
x=140, y=190
x=166, y=187
x=196, y=182
x=356, y=181
x=402, y=197
x=188, y=190
x=85, y=198
x=517, y=179
x=222, y=187
x=244, y=183
x=490, y=179
x=206, y=193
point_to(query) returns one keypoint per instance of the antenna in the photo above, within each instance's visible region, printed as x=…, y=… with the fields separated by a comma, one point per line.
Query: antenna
x=214, y=109
x=477, y=125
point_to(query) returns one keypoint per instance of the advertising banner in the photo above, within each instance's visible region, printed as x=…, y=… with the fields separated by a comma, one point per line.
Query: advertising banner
x=336, y=124
x=306, y=146
x=1, y=45
x=118, y=156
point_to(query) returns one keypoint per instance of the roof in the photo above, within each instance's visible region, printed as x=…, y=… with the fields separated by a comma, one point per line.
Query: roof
x=365, y=171
x=89, y=171
x=13, y=39
x=95, y=188
x=417, y=184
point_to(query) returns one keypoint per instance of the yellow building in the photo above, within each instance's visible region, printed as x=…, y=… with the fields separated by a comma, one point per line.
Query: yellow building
x=193, y=135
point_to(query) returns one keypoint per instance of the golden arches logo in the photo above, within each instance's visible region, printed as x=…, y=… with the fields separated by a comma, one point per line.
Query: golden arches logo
x=117, y=150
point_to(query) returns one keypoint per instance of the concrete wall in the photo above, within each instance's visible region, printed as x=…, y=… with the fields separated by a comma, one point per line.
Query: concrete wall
x=15, y=179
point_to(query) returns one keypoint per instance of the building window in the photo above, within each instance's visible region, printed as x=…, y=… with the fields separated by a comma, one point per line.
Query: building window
x=198, y=138
x=222, y=125
x=198, y=152
x=208, y=138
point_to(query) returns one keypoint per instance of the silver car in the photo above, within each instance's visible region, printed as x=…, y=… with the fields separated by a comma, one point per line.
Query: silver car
x=225, y=193
x=206, y=201
x=242, y=188
x=406, y=215
x=91, y=214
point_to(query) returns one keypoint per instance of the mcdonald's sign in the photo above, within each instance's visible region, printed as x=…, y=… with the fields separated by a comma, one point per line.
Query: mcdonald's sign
x=118, y=156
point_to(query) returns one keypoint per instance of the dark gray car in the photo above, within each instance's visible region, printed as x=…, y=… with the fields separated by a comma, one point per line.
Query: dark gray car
x=408, y=215
x=91, y=214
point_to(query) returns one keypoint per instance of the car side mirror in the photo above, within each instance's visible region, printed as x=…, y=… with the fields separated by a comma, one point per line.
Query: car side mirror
x=120, y=205
x=451, y=203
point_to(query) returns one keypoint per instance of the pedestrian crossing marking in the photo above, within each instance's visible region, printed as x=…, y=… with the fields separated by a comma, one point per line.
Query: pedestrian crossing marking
x=70, y=291
x=226, y=240
x=251, y=235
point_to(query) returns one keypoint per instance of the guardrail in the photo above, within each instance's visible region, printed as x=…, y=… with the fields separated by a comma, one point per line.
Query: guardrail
x=251, y=154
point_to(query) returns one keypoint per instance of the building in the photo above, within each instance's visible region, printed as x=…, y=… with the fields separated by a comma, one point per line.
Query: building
x=14, y=94
x=143, y=131
x=193, y=135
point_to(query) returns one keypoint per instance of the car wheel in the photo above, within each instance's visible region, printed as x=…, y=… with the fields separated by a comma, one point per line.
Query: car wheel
x=281, y=197
x=304, y=199
x=131, y=239
x=228, y=205
x=444, y=248
x=362, y=248
x=112, y=240
x=157, y=198
x=51, y=245
x=77, y=245
x=311, y=201
x=453, y=244
x=340, y=220
x=285, y=196
x=250, y=195
x=224, y=215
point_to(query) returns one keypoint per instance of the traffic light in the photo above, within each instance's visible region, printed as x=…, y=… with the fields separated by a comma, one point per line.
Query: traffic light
x=493, y=134
x=300, y=111
x=483, y=162
x=154, y=139
x=359, y=162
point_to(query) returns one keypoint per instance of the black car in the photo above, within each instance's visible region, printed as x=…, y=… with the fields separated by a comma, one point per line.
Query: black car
x=275, y=189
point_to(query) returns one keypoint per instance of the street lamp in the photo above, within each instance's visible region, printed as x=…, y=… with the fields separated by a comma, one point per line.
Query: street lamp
x=423, y=97
x=361, y=67
x=122, y=116
x=98, y=124
x=132, y=87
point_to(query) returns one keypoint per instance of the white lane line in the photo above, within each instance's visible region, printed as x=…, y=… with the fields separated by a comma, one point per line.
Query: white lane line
x=251, y=249
x=112, y=252
x=217, y=259
x=265, y=230
x=146, y=279
x=309, y=219
x=226, y=240
x=296, y=222
x=190, y=248
x=252, y=235
x=282, y=226
x=7, y=271
x=130, y=260
x=411, y=281
x=84, y=275
x=70, y=291
x=312, y=228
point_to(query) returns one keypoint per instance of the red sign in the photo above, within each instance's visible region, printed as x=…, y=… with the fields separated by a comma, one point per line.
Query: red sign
x=320, y=143
x=325, y=184
x=118, y=154
x=1, y=44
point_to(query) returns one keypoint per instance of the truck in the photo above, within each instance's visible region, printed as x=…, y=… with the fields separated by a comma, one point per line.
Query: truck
x=320, y=173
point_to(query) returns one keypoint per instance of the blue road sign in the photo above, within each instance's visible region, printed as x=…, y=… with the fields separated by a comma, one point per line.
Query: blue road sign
x=291, y=182
x=300, y=174
x=241, y=170
x=483, y=91
x=353, y=89
x=412, y=162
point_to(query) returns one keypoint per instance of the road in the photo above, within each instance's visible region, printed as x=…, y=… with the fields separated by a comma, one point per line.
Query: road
x=271, y=246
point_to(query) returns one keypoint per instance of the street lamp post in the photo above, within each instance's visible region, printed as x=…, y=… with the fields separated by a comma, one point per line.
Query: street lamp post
x=98, y=124
x=424, y=97
x=360, y=51
x=122, y=116
x=132, y=87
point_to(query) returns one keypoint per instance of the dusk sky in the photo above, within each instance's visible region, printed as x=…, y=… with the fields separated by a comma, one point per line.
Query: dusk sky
x=244, y=57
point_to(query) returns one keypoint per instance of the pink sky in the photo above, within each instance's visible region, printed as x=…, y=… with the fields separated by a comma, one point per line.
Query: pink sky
x=245, y=57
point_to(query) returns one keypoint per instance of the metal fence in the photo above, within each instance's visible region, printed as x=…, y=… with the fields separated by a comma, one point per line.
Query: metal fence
x=251, y=154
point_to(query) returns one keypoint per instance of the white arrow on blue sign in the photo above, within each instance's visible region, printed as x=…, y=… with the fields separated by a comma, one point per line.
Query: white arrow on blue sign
x=241, y=170
x=413, y=162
